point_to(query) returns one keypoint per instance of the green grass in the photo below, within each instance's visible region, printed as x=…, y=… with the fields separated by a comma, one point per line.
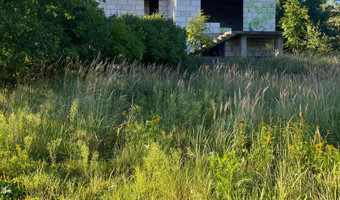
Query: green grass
x=245, y=129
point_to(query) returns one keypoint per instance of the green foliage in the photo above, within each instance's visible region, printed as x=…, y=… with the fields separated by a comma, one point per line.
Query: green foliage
x=317, y=42
x=287, y=156
x=319, y=14
x=43, y=31
x=9, y=190
x=163, y=41
x=334, y=22
x=33, y=32
x=294, y=24
x=300, y=33
x=195, y=28
x=126, y=42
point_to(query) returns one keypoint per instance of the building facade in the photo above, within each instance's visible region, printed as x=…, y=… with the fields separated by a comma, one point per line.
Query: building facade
x=235, y=20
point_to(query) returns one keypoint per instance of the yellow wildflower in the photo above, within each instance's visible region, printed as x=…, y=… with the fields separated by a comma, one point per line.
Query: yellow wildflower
x=124, y=112
x=18, y=147
x=268, y=138
x=157, y=117
x=331, y=147
x=319, y=145
x=25, y=156
x=292, y=147
x=129, y=125
x=317, y=132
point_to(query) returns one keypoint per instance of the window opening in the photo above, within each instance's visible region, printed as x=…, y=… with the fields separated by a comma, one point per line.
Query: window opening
x=151, y=6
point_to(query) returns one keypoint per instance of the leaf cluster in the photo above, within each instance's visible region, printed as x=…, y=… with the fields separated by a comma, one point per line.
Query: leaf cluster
x=300, y=33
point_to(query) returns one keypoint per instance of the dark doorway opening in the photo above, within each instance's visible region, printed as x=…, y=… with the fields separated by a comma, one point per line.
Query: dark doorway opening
x=228, y=12
x=151, y=6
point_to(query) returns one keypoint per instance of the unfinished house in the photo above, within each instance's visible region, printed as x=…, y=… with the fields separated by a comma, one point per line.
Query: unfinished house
x=238, y=27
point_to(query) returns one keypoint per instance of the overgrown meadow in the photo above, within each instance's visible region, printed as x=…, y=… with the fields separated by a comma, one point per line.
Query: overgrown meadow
x=248, y=128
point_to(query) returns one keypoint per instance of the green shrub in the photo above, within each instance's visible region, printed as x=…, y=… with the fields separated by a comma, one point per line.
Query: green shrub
x=34, y=32
x=164, y=41
x=43, y=31
x=125, y=41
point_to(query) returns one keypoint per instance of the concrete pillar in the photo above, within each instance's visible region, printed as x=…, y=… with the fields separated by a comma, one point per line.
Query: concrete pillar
x=278, y=46
x=243, y=46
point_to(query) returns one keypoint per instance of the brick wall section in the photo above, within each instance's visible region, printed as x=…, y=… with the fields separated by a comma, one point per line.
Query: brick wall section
x=183, y=10
x=163, y=7
x=255, y=47
x=137, y=7
x=213, y=27
x=118, y=7
x=232, y=48
x=259, y=15
x=171, y=8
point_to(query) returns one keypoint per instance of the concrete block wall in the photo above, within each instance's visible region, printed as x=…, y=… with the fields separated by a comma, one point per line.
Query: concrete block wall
x=163, y=7
x=232, y=48
x=213, y=27
x=258, y=47
x=259, y=15
x=171, y=8
x=255, y=47
x=137, y=7
x=183, y=10
x=112, y=7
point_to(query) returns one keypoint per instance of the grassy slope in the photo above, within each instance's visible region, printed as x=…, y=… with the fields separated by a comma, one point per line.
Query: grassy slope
x=250, y=128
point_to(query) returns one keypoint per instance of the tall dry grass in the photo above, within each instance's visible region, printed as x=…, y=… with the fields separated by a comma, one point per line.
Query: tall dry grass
x=244, y=129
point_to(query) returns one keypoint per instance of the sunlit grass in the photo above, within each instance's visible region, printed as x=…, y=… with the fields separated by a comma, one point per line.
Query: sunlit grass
x=240, y=130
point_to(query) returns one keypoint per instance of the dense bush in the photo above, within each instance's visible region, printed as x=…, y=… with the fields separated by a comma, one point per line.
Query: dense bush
x=43, y=31
x=164, y=42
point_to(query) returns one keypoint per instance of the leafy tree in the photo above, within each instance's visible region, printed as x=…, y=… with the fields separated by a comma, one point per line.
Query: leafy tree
x=321, y=14
x=334, y=21
x=316, y=41
x=300, y=34
x=294, y=24
x=318, y=13
x=195, y=31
